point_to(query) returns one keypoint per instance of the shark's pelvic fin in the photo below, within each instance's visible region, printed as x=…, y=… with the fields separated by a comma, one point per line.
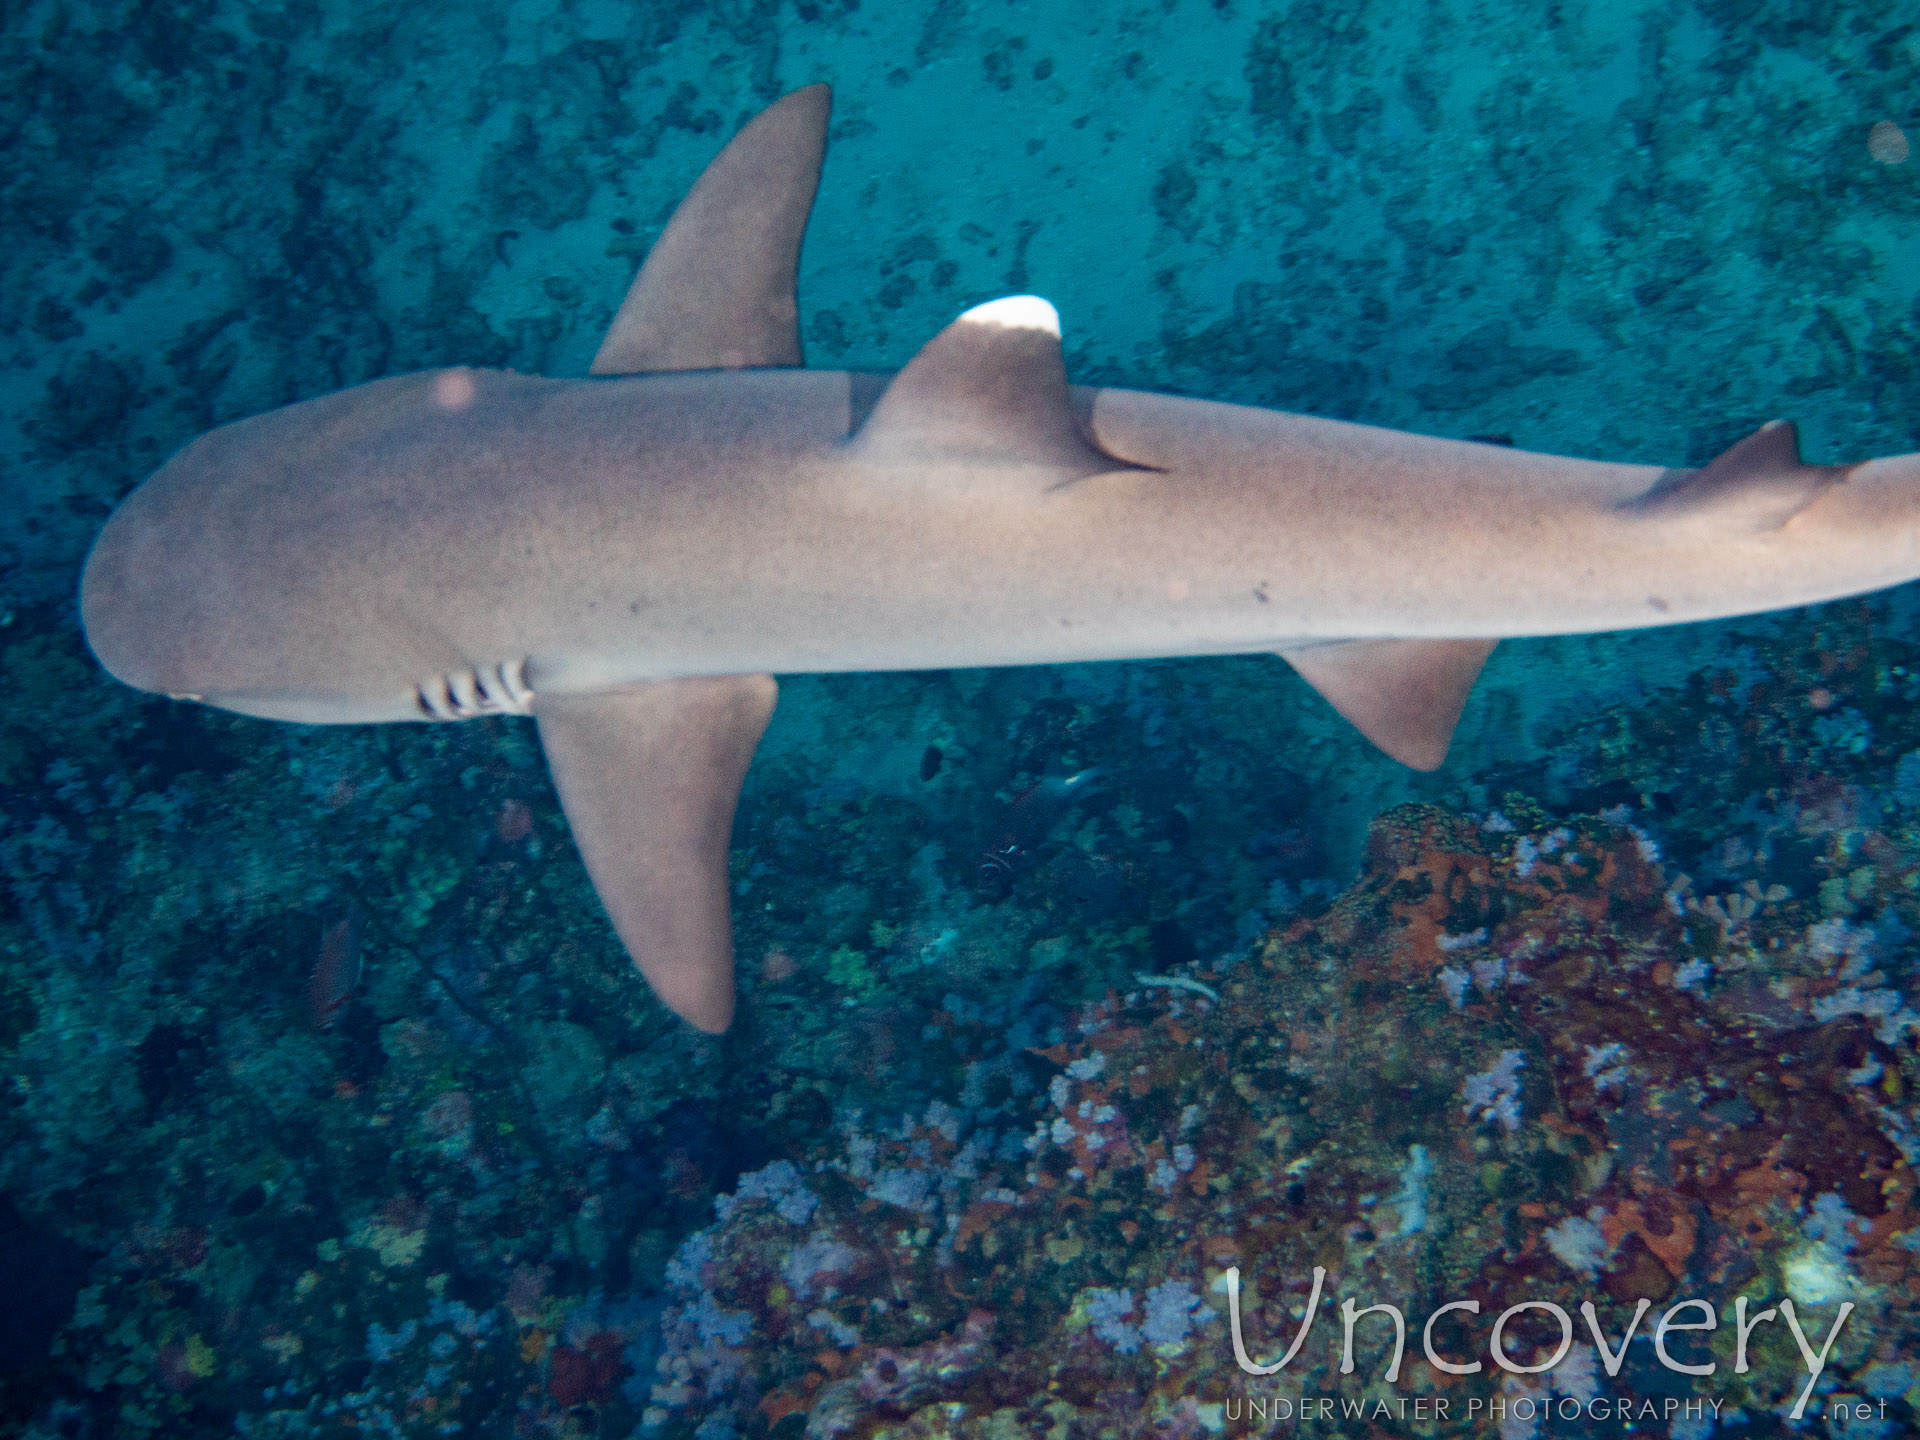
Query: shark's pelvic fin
x=991, y=388
x=1758, y=484
x=648, y=776
x=1403, y=695
x=716, y=291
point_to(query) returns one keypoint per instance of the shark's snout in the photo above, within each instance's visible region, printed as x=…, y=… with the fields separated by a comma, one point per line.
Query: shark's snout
x=224, y=579
x=148, y=604
x=120, y=613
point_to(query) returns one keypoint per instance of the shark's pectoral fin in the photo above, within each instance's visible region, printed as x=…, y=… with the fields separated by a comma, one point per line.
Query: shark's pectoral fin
x=649, y=776
x=716, y=291
x=989, y=390
x=1403, y=695
x=1759, y=484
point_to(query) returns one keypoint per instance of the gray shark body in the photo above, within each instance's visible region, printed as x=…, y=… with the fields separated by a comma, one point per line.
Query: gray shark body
x=629, y=558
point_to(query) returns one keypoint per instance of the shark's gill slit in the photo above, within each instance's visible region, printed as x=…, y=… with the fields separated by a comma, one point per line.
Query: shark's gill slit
x=499, y=689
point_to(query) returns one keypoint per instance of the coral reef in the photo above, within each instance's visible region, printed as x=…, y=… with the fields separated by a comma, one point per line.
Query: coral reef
x=1059, y=1263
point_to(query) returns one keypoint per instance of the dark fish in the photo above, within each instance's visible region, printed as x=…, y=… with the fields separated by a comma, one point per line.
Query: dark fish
x=336, y=973
x=514, y=822
x=1031, y=818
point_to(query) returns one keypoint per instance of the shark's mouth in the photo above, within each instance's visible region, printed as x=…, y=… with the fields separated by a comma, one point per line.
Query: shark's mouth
x=499, y=689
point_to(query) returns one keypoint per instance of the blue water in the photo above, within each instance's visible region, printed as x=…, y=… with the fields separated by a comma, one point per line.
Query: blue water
x=483, y=1198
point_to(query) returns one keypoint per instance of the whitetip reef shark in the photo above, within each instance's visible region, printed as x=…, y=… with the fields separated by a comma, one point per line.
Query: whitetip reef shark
x=629, y=558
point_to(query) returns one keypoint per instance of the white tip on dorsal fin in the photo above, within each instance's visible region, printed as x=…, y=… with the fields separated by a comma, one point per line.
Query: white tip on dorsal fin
x=990, y=388
x=648, y=776
x=1016, y=312
x=1759, y=483
x=1404, y=695
x=716, y=291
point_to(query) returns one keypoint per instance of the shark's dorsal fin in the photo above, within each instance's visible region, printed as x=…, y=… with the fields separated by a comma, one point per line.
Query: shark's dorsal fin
x=990, y=388
x=1759, y=483
x=716, y=291
x=648, y=776
x=1403, y=695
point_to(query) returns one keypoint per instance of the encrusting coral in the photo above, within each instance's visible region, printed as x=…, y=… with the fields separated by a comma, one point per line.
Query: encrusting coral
x=984, y=1272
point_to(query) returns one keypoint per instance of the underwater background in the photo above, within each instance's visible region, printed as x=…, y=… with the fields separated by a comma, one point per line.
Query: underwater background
x=1614, y=1006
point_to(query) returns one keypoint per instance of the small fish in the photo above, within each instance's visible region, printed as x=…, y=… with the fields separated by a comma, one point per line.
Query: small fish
x=336, y=973
x=514, y=822
x=1031, y=818
x=1180, y=982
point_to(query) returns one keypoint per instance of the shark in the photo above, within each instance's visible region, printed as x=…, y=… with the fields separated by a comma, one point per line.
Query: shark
x=631, y=556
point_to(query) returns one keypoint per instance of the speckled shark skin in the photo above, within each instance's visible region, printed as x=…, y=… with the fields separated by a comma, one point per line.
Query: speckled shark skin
x=630, y=557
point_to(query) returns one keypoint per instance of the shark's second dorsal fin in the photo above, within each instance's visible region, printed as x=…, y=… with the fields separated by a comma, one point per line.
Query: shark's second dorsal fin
x=1758, y=483
x=716, y=291
x=649, y=776
x=991, y=389
x=1404, y=695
